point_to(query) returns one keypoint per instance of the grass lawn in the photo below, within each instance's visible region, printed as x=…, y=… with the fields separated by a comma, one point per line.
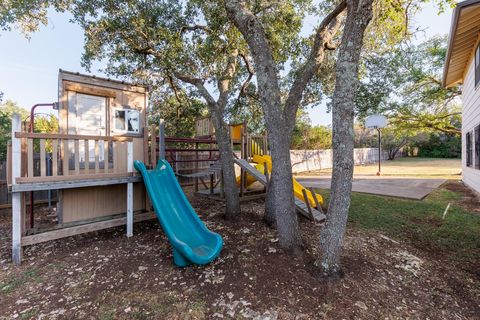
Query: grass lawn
x=413, y=167
x=421, y=222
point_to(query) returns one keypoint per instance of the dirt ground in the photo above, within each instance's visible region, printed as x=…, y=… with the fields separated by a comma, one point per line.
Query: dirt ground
x=104, y=275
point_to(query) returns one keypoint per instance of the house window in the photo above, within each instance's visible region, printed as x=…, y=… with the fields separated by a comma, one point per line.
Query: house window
x=468, y=140
x=477, y=147
x=477, y=65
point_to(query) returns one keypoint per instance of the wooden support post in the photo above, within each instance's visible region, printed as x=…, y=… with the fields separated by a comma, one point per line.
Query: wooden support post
x=30, y=157
x=307, y=202
x=43, y=163
x=87, y=156
x=97, y=158
x=54, y=157
x=130, y=190
x=17, y=213
x=317, y=204
x=241, y=182
x=196, y=166
x=77, y=156
x=66, y=158
x=161, y=140
x=106, y=163
x=115, y=147
x=265, y=146
x=153, y=146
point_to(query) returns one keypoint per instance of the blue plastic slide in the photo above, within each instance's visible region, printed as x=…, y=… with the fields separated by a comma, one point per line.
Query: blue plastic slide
x=191, y=241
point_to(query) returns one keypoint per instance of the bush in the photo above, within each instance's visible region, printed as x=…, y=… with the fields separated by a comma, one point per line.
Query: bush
x=440, y=146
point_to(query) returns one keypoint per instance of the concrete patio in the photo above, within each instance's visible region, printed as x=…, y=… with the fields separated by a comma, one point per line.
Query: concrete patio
x=402, y=187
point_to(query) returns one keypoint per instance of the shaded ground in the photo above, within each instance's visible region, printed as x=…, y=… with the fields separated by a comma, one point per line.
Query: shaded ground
x=396, y=266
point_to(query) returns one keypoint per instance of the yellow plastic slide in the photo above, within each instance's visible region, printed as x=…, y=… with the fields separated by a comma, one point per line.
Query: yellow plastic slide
x=251, y=179
x=297, y=187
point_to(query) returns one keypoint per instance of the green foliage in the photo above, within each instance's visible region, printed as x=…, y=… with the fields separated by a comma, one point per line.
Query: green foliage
x=45, y=123
x=6, y=111
x=308, y=137
x=440, y=146
x=179, y=116
x=405, y=85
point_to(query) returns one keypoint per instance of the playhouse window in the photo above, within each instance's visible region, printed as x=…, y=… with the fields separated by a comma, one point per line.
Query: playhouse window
x=477, y=65
x=127, y=120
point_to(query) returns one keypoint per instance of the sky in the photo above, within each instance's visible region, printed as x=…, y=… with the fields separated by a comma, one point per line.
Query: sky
x=29, y=67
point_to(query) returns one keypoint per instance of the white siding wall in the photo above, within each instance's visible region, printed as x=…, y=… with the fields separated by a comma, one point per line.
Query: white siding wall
x=470, y=119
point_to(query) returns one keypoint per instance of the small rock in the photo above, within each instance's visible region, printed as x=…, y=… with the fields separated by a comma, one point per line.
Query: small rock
x=21, y=301
x=127, y=310
x=361, y=305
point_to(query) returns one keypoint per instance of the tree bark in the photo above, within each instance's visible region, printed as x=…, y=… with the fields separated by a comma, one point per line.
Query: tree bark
x=279, y=115
x=331, y=236
x=217, y=112
x=222, y=133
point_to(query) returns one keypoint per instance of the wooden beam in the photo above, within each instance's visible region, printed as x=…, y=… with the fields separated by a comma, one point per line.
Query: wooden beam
x=24, y=180
x=30, y=135
x=130, y=191
x=30, y=158
x=90, y=227
x=74, y=184
x=86, y=150
x=97, y=158
x=54, y=157
x=161, y=140
x=17, y=214
x=153, y=146
x=106, y=162
x=77, y=156
x=43, y=162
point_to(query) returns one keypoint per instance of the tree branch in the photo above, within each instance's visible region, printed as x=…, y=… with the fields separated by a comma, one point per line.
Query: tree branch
x=226, y=79
x=198, y=83
x=194, y=28
x=323, y=36
x=251, y=72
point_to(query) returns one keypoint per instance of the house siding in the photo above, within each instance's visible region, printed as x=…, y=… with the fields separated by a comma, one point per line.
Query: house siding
x=470, y=119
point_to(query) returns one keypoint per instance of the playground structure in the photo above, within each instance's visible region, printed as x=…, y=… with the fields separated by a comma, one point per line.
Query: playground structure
x=253, y=161
x=103, y=129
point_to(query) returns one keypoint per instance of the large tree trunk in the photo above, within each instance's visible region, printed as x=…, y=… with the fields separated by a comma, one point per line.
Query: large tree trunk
x=269, y=216
x=281, y=199
x=280, y=116
x=222, y=133
x=331, y=237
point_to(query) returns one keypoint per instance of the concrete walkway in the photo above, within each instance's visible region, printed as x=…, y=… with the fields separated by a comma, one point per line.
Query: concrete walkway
x=402, y=187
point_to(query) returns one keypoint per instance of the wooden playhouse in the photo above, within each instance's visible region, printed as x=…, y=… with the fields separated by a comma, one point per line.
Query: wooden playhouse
x=102, y=129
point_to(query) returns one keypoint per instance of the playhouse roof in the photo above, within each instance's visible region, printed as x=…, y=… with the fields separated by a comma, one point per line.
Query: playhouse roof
x=95, y=80
x=464, y=34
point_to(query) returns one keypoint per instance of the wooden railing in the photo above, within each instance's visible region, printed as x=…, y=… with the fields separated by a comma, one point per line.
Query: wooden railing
x=255, y=144
x=63, y=148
